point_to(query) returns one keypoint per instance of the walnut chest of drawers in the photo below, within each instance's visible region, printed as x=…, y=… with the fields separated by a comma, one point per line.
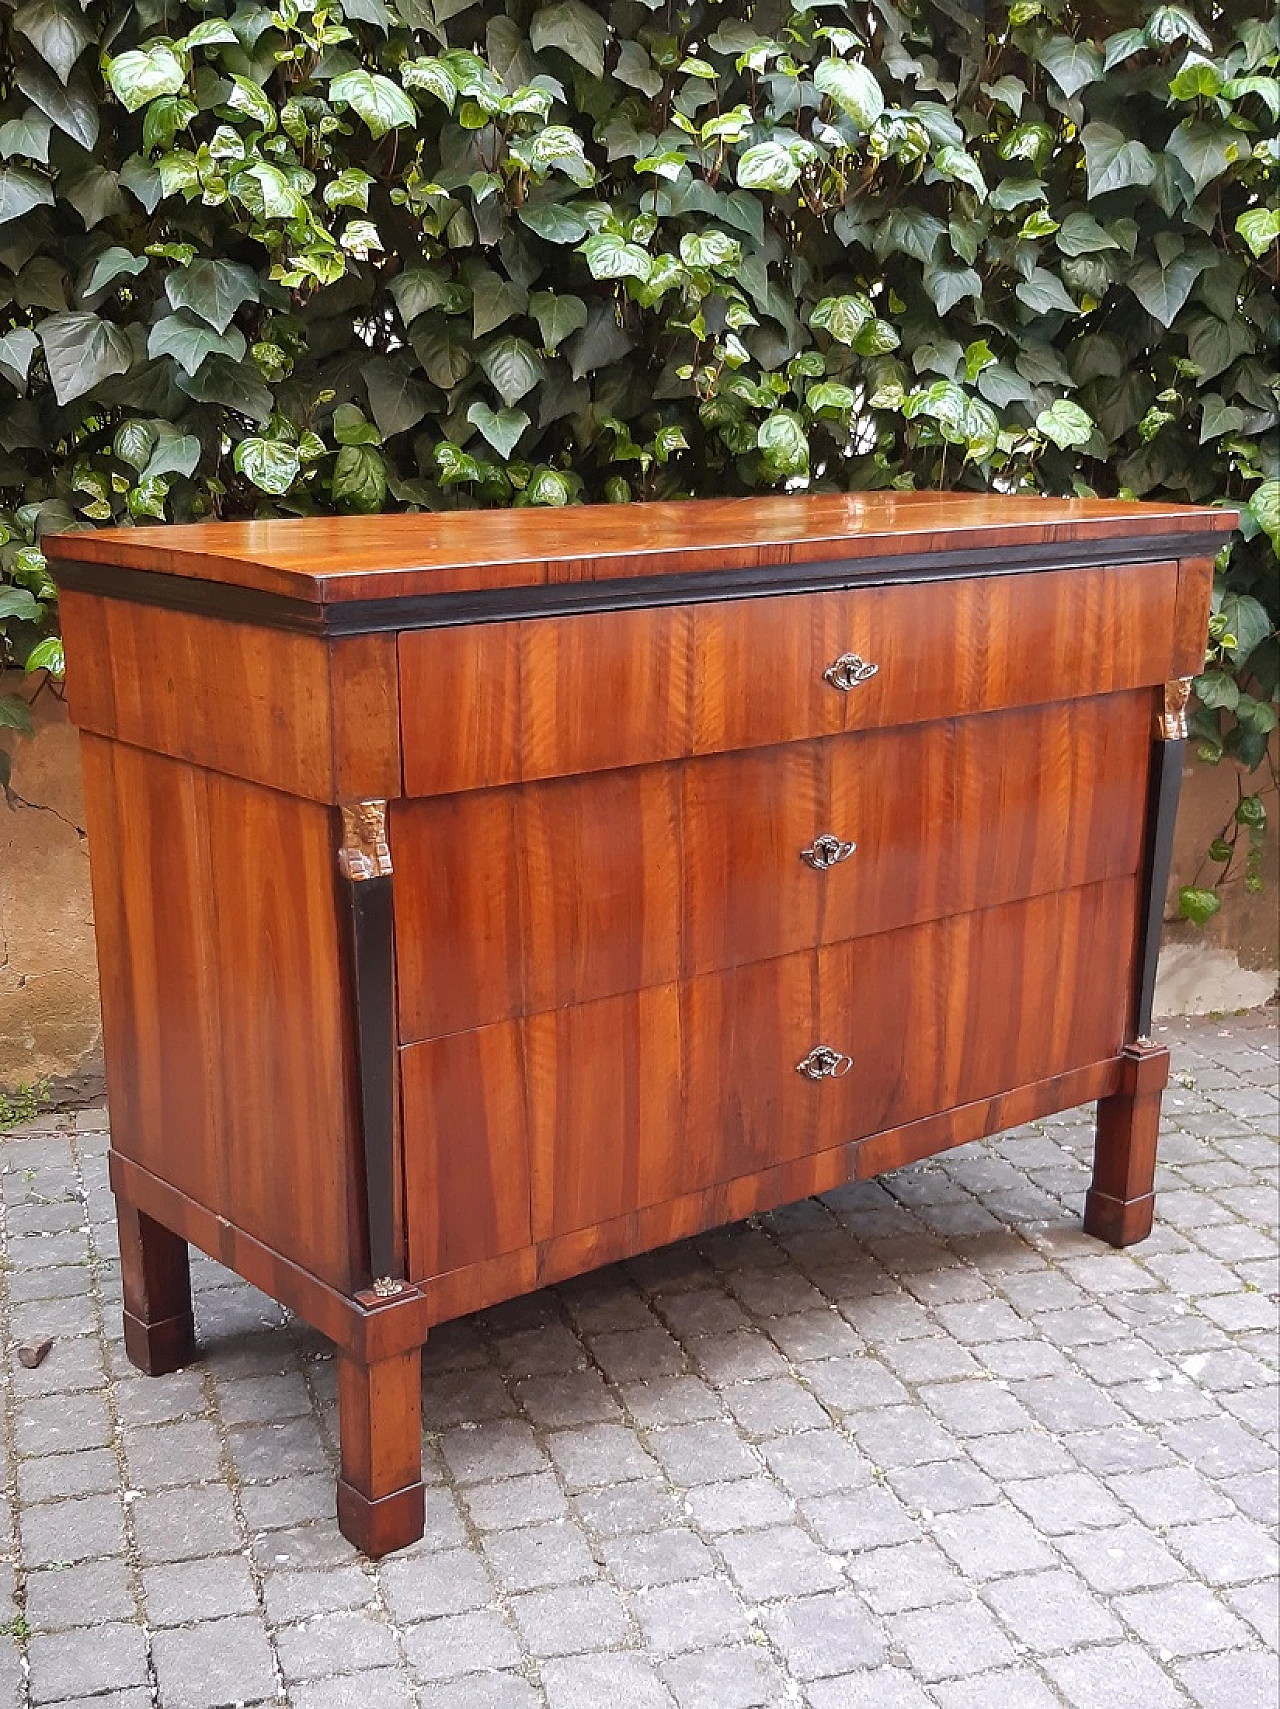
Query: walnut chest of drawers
x=485, y=897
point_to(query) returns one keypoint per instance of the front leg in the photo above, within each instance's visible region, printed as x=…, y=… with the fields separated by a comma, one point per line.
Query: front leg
x=159, y=1330
x=381, y=1496
x=1120, y=1204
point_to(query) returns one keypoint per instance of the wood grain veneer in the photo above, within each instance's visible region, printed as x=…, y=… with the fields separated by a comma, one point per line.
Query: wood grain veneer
x=504, y=703
x=454, y=930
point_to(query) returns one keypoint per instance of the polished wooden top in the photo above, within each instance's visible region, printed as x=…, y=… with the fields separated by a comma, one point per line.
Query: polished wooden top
x=328, y=560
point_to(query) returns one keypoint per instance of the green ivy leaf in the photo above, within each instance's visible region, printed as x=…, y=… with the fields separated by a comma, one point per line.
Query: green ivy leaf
x=612, y=257
x=853, y=89
x=1259, y=227
x=360, y=479
x=576, y=29
x=1114, y=161
x=1073, y=65
x=21, y=189
x=502, y=428
x=271, y=464
x=18, y=603
x=189, y=340
x=1162, y=283
x=512, y=367
x=784, y=444
x=141, y=74
x=382, y=104
x=213, y=290
x=1198, y=906
x=774, y=165
x=557, y=316
x=843, y=317
x=47, y=655
x=80, y=351
x=1205, y=151
x=1065, y=423
x=57, y=31
x=1218, y=417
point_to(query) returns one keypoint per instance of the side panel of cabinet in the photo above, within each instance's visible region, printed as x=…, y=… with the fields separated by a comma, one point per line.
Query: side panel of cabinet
x=223, y=997
x=292, y=712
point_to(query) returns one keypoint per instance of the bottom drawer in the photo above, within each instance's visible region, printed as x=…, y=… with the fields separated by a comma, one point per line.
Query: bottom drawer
x=536, y=1127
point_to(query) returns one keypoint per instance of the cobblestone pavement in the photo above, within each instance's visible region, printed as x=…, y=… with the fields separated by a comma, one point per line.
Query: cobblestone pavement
x=918, y=1445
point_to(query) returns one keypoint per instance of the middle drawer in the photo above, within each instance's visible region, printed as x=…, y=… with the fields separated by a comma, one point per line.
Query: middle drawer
x=534, y=897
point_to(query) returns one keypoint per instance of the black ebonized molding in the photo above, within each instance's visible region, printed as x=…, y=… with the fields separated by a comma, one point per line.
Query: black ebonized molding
x=1162, y=810
x=369, y=904
x=615, y=593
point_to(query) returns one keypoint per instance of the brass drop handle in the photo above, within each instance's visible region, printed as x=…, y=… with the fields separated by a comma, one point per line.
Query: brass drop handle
x=823, y=1063
x=848, y=671
x=826, y=851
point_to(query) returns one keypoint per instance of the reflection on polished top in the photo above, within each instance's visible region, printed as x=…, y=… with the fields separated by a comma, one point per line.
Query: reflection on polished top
x=331, y=559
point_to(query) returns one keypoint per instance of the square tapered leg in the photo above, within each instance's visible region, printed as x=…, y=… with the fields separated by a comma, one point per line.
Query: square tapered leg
x=159, y=1330
x=381, y=1497
x=1120, y=1205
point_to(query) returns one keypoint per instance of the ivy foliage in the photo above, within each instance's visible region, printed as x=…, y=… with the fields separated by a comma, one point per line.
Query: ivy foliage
x=349, y=255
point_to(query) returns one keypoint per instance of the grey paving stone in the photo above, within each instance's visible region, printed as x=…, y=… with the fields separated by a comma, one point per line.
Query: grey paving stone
x=569, y=1621
x=165, y=1455
x=1182, y=1620
x=868, y=1520
x=651, y=1558
x=182, y=1591
x=738, y=1677
x=82, y=1530
x=482, y=1691
x=1247, y=1680
x=989, y=1542
x=111, y=1655
x=953, y=1641
x=1225, y=1551
x=539, y=1556
x=81, y=1595
x=599, y=1454
x=221, y=1661
x=1170, y=1496
x=509, y=1502
x=671, y=1400
x=703, y=1453
x=746, y=1504
x=694, y=1614
x=345, y=1642
x=592, y=1682
x=382, y=1688
x=1121, y=1676
x=293, y=1596
x=459, y=1644
x=876, y=1688
x=1051, y=1611
x=946, y=1486
x=1128, y=1558
x=56, y=1477
x=568, y=1398
x=823, y=1635
x=911, y=1575
x=1071, y=1502
x=185, y=1524
x=774, y=1407
x=1009, y=1688
x=627, y=1508
x=61, y=1424
x=784, y=1561
x=817, y=1462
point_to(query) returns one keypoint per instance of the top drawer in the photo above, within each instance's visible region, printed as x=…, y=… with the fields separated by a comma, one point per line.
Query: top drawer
x=496, y=703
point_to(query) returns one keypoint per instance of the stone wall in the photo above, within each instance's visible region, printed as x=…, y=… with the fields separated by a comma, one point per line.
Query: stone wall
x=50, y=1028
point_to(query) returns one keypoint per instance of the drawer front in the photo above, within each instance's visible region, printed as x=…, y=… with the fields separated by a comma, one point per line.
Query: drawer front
x=499, y=703
x=515, y=901
x=538, y=1127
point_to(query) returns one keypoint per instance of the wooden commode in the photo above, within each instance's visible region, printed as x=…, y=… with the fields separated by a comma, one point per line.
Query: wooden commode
x=485, y=897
